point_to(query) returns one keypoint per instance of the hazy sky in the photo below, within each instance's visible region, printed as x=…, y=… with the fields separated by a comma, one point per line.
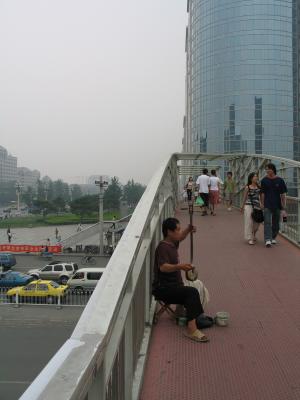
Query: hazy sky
x=92, y=86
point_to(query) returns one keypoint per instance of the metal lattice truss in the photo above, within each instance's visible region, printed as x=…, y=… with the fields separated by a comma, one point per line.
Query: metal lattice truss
x=240, y=164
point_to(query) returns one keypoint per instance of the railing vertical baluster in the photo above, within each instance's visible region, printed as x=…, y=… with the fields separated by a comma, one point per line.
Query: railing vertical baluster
x=58, y=302
x=298, y=206
x=17, y=300
x=128, y=373
x=147, y=287
x=98, y=389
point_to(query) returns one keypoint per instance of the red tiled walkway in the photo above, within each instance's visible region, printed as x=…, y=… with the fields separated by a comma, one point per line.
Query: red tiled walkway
x=257, y=357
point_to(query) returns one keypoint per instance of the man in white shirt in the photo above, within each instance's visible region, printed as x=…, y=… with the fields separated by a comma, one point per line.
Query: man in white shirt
x=203, y=187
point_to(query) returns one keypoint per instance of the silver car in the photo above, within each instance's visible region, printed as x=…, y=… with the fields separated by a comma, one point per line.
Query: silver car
x=56, y=272
x=85, y=279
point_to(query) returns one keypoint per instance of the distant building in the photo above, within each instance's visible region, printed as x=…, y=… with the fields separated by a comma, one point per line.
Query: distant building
x=27, y=177
x=8, y=166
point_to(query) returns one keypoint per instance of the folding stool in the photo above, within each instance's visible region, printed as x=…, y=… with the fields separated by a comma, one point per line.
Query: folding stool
x=164, y=307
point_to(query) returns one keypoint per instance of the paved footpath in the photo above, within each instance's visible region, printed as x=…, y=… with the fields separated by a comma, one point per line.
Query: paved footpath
x=257, y=357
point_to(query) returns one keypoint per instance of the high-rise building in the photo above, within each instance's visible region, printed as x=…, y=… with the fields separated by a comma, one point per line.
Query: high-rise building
x=8, y=166
x=242, y=81
x=28, y=178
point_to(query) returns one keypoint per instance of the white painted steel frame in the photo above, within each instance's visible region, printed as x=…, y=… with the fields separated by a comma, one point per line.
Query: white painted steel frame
x=105, y=355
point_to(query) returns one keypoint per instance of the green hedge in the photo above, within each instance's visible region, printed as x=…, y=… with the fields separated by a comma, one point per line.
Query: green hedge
x=65, y=219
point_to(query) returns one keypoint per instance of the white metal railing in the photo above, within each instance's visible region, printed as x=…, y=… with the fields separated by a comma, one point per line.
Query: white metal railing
x=73, y=297
x=104, y=357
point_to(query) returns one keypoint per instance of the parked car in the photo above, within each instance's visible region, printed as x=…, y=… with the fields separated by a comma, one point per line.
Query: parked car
x=57, y=272
x=42, y=290
x=85, y=279
x=11, y=279
x=7, y=260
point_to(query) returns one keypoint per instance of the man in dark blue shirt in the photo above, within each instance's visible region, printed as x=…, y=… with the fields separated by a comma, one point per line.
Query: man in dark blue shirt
x=273, y=190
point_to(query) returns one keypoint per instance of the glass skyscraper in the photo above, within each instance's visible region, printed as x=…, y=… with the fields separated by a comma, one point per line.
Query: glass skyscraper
x=242, y=89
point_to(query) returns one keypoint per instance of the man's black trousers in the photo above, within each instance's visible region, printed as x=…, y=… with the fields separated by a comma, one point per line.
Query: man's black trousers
x=185, y=295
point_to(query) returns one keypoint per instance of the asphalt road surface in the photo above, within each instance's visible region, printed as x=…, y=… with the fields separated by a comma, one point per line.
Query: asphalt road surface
x=25, y=262
x=29, y=337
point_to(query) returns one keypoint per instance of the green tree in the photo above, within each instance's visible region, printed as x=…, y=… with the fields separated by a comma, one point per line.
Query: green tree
x=43, y=206
x=59, y=203
x=50, y=191
x=84, y=205
x=113, y=195
x=132, y=192
x=58, y=189
x=40, y=190
x=76, y=191
x=7, y=192
x=27, y=196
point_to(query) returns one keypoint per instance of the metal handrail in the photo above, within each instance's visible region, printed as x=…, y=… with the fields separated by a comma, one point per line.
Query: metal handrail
x=103, y=359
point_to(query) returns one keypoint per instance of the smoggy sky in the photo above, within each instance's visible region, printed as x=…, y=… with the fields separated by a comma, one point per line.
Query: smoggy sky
x=92, y=86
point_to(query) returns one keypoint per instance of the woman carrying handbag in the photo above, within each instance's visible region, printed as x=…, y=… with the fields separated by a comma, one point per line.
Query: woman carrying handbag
x=252, y=208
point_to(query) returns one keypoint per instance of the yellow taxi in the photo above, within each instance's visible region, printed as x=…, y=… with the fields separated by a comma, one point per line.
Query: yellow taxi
x=40, y=290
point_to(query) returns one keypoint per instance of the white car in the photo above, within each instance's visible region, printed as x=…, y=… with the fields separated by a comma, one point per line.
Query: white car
x=60, y=272
x=85, y=279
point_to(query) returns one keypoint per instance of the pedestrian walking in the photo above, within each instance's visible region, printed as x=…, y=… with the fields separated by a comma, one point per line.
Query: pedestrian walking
x=190, y=187
x=202, y=183
x=79, y=227
x=214, y=190
x=251, y=200
x=274, y=201
x=56, y=233
x=229, y=190
x=9, y=235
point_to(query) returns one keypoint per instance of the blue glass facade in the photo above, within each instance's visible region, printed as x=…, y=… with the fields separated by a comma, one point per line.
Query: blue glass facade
x=242, y=77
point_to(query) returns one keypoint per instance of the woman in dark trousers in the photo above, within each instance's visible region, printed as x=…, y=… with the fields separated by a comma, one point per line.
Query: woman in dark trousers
x=168, y=285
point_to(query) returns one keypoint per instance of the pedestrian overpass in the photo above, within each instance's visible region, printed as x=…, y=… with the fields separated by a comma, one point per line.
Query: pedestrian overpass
x=105, y=356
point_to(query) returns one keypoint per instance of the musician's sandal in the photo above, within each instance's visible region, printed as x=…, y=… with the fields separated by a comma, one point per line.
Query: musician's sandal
x=197, y=336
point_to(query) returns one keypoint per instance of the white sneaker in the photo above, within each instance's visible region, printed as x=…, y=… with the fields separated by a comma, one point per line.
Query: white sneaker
x=229, y=209
x=268, y=243
x=274, y=241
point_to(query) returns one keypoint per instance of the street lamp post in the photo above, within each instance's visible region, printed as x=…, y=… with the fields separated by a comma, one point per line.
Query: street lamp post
x=102, y=185
x=46, y=189
x=18, y=192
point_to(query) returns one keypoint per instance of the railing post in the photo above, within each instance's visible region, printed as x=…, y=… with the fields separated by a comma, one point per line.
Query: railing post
x=17, y=301
x=298, y=205
x=98, y=390
x=128, y=359
x=147, y=287
x=58, y=303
